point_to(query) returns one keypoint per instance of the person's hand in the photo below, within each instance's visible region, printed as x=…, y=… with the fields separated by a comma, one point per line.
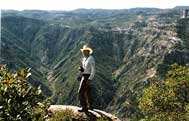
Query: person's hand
x=81, y=69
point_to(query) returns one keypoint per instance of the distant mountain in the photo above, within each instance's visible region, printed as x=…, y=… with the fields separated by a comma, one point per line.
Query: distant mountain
x=181, y=7
x=131, y=47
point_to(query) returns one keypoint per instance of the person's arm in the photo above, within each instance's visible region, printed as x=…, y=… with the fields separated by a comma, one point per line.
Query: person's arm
x=92, y=65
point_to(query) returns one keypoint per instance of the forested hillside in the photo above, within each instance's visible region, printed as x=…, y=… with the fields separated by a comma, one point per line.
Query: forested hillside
x=131, y=47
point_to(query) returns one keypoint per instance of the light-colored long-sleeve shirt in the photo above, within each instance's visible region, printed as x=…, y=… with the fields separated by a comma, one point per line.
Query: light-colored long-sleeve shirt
x=89, y=66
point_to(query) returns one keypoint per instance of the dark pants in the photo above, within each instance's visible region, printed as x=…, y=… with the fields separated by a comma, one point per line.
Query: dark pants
x=85, y=93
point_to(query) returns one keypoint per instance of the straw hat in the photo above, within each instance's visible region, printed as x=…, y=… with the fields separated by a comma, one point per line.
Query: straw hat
x=85, y=47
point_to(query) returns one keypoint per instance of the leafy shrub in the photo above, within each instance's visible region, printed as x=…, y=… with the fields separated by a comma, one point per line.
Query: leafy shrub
x=167, y=100
x=19, y=101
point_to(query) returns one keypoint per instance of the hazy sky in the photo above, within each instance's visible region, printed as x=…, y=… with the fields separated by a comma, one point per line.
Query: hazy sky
x=74, y=4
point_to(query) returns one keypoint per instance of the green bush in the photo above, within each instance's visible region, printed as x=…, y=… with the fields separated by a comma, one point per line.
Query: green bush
x=167, y=100
x=19, y=101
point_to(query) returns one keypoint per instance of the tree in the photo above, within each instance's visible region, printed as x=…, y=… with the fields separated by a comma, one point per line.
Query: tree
x=19, y=101
x=167, y=100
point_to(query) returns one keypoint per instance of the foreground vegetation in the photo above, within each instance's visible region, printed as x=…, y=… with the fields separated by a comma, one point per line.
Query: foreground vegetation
x=19, y=101
x=167, y=100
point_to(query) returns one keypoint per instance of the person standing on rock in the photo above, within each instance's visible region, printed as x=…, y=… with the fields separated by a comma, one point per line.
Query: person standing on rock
x=87, y=74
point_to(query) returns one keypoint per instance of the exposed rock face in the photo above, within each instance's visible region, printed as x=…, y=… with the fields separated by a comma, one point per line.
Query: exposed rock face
x=185, y=13
x=180, y=52
x=92, y=116
x=183, y=31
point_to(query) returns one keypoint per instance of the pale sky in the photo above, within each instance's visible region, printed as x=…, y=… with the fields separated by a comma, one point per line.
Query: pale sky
x=75, y=4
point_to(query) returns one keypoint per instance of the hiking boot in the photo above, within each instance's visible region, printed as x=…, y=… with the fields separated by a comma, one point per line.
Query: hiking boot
x=91, y=108
x=82, y=110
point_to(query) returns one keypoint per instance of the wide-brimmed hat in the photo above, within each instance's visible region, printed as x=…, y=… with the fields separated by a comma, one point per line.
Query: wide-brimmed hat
x=85, y=47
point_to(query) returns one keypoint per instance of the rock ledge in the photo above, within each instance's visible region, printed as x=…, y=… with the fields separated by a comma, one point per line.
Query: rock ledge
x=94, y=114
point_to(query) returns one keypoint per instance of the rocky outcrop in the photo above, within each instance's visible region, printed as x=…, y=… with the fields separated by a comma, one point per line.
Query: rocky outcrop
x=183, y=31
x=91, y=116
